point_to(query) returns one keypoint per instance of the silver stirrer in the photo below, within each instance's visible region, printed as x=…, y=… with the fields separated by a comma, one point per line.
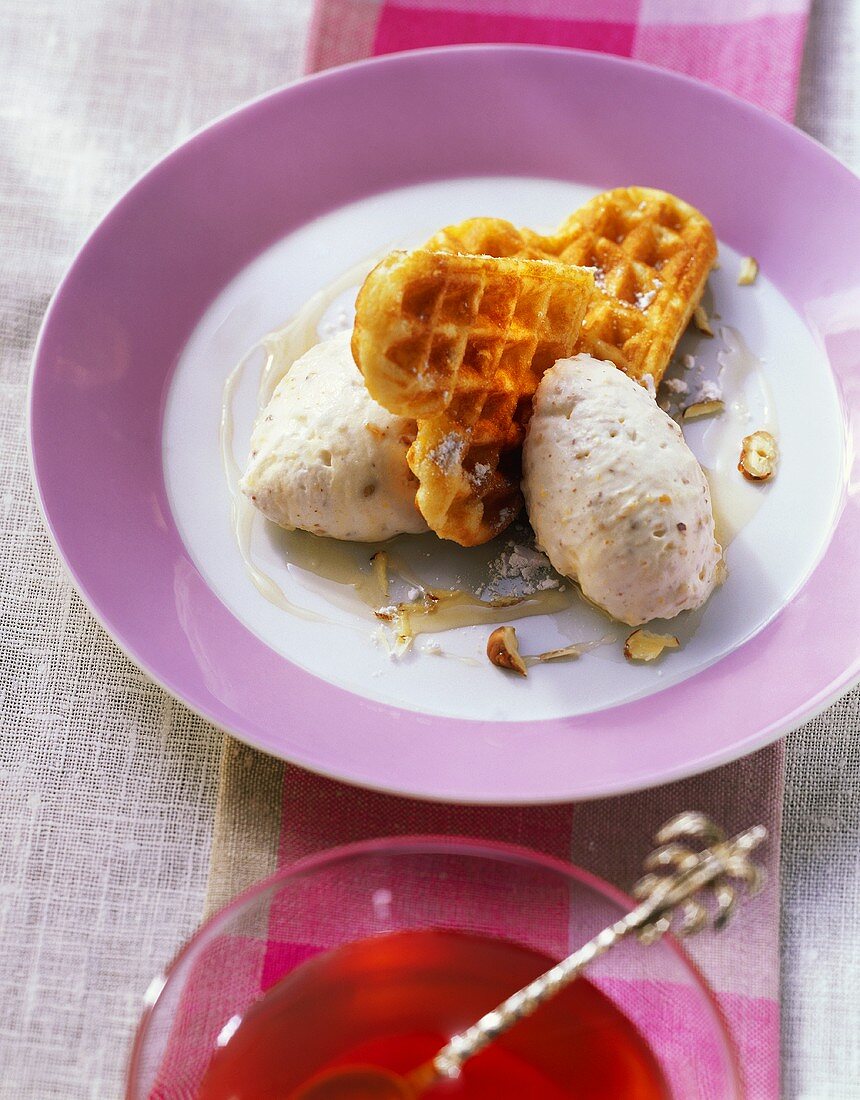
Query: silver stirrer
x=676, y=874
x=693, y=871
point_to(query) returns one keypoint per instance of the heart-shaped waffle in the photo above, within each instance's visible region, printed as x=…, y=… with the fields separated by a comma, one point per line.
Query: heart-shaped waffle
x=460, y=342
x=651, y=254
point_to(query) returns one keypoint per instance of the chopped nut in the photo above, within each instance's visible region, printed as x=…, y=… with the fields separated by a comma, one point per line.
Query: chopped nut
x=748, y=271
x=575, y=650
x=503, y=650
x=379, y=561
x=759, y=455
x=704, y=408
x=429, y=601
x=397, y=614
x=405, y=635
x=700, y=317
x=558, y=654
x=643, y=645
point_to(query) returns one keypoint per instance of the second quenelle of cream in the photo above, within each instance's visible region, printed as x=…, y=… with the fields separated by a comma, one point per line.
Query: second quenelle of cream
x=616, y=498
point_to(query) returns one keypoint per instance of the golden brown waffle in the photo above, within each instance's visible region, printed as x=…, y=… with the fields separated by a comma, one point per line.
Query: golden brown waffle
x=651, y=254
x=460, y=342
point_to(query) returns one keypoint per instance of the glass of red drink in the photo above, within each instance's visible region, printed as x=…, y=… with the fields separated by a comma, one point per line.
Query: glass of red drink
x=376, y=953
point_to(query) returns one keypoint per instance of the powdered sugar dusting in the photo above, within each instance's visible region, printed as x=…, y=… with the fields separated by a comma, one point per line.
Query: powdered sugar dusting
x=479, y=474
x=599, y=276
x=520, y=570
x=448, y=451
x=710, y=391
x=644, y=298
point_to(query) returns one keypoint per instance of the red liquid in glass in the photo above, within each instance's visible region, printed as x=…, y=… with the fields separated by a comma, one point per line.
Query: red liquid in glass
x=395, y=1000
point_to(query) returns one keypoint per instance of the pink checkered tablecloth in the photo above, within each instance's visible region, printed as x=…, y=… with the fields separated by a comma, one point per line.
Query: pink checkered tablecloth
x=751, y=49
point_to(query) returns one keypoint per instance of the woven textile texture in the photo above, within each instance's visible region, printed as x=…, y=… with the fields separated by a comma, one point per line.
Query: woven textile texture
x=107, y=786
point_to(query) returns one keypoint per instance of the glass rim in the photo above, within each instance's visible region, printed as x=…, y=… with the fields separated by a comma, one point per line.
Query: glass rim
x=422, y=844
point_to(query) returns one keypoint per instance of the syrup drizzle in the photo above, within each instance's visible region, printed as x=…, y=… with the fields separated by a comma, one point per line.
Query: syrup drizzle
x=742, y=378
x=424, y=604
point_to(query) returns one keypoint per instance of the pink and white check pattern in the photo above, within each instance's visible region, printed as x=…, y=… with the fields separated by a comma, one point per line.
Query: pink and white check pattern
x=752, y=48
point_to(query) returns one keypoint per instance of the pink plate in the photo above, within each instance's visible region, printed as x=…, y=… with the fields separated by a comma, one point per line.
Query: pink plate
x=123, y=316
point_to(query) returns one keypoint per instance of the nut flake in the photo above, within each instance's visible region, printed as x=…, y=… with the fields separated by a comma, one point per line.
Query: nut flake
x=700, y=317
x=398, y=616
x=759, y=456
x=504, y=651
x=379, y=561
x=748, y=271
x=575, y=650
x=711, y=407
x=643, y=645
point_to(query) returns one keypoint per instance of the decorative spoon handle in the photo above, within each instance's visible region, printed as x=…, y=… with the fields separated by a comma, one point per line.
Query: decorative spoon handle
x=676, y=873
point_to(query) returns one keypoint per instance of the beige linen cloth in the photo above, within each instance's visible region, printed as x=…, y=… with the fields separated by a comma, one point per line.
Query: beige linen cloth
x=108, y=786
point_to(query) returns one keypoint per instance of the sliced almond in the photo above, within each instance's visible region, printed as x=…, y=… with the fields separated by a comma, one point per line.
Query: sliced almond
x=698, y=409
x=575, y=650
x=504, y=651
x=759, y=456
x=397, y=615
x=748, y=271
x=643, y=645
x=404, y=634
x=379, y=561
x=700, y=317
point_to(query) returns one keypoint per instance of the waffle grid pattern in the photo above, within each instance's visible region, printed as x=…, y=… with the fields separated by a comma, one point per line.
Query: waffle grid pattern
x=651, y=254
x=460, y=342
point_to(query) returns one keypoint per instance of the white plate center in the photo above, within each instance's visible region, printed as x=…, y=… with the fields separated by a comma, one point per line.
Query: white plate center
x=768, y=561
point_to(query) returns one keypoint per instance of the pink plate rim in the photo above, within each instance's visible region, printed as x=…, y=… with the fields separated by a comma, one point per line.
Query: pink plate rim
x=142, y=280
